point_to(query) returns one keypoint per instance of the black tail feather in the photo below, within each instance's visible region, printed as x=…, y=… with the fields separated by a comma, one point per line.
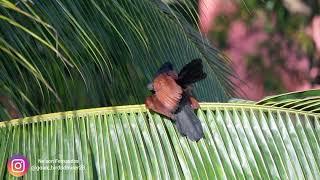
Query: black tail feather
x=187, y=123
x=191, y=73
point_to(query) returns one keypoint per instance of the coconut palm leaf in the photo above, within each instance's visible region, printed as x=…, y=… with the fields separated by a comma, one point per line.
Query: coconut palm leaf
x=65, y=55
x=302, y=100
x=241, y=141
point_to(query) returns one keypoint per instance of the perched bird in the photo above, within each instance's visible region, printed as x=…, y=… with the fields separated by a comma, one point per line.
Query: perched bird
x=172, y=97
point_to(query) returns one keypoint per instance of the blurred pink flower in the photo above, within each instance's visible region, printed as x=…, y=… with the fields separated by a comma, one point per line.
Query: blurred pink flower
x=314, y=31
x=245, y=40
x=314, y=72
x=210, y=9
x=293, y=82
x=247, y=85
x=247, y=44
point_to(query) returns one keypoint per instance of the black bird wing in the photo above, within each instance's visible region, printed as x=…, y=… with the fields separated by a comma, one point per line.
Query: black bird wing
x=191, y=73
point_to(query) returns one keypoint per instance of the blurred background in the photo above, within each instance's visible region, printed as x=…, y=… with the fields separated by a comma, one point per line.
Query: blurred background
x=274, y=45
x=57, y=55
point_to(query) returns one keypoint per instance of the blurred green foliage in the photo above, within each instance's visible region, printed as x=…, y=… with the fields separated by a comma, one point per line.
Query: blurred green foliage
x=66, y=55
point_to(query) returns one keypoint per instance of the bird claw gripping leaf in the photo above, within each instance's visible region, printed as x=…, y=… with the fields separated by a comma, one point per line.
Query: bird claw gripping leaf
x=172, y=97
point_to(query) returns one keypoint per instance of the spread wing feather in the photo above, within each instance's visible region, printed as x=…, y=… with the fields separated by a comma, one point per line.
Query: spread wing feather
x=154, y=104
x=167, y=91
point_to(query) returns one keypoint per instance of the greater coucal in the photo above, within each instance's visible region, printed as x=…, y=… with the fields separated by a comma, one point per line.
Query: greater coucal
x=172, y=97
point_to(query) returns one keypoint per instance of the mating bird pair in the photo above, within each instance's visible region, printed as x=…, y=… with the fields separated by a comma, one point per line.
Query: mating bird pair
x=172, y=97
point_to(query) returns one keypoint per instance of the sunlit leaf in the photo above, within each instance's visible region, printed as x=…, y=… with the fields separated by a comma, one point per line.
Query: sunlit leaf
x=242, y=141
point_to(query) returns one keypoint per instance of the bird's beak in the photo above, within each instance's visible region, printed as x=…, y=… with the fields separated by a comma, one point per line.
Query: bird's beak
x=150, y=86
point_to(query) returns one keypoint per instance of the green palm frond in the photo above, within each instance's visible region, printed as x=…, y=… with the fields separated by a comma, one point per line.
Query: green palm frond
x=66, y=55
x=302, y=100
x=241, y=141
x=242, y=101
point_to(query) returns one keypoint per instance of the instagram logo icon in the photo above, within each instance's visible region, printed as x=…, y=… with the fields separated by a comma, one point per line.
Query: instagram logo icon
x=18, y=165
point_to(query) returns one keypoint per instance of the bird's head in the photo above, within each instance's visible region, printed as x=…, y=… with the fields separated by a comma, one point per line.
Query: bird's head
x=165, y=67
